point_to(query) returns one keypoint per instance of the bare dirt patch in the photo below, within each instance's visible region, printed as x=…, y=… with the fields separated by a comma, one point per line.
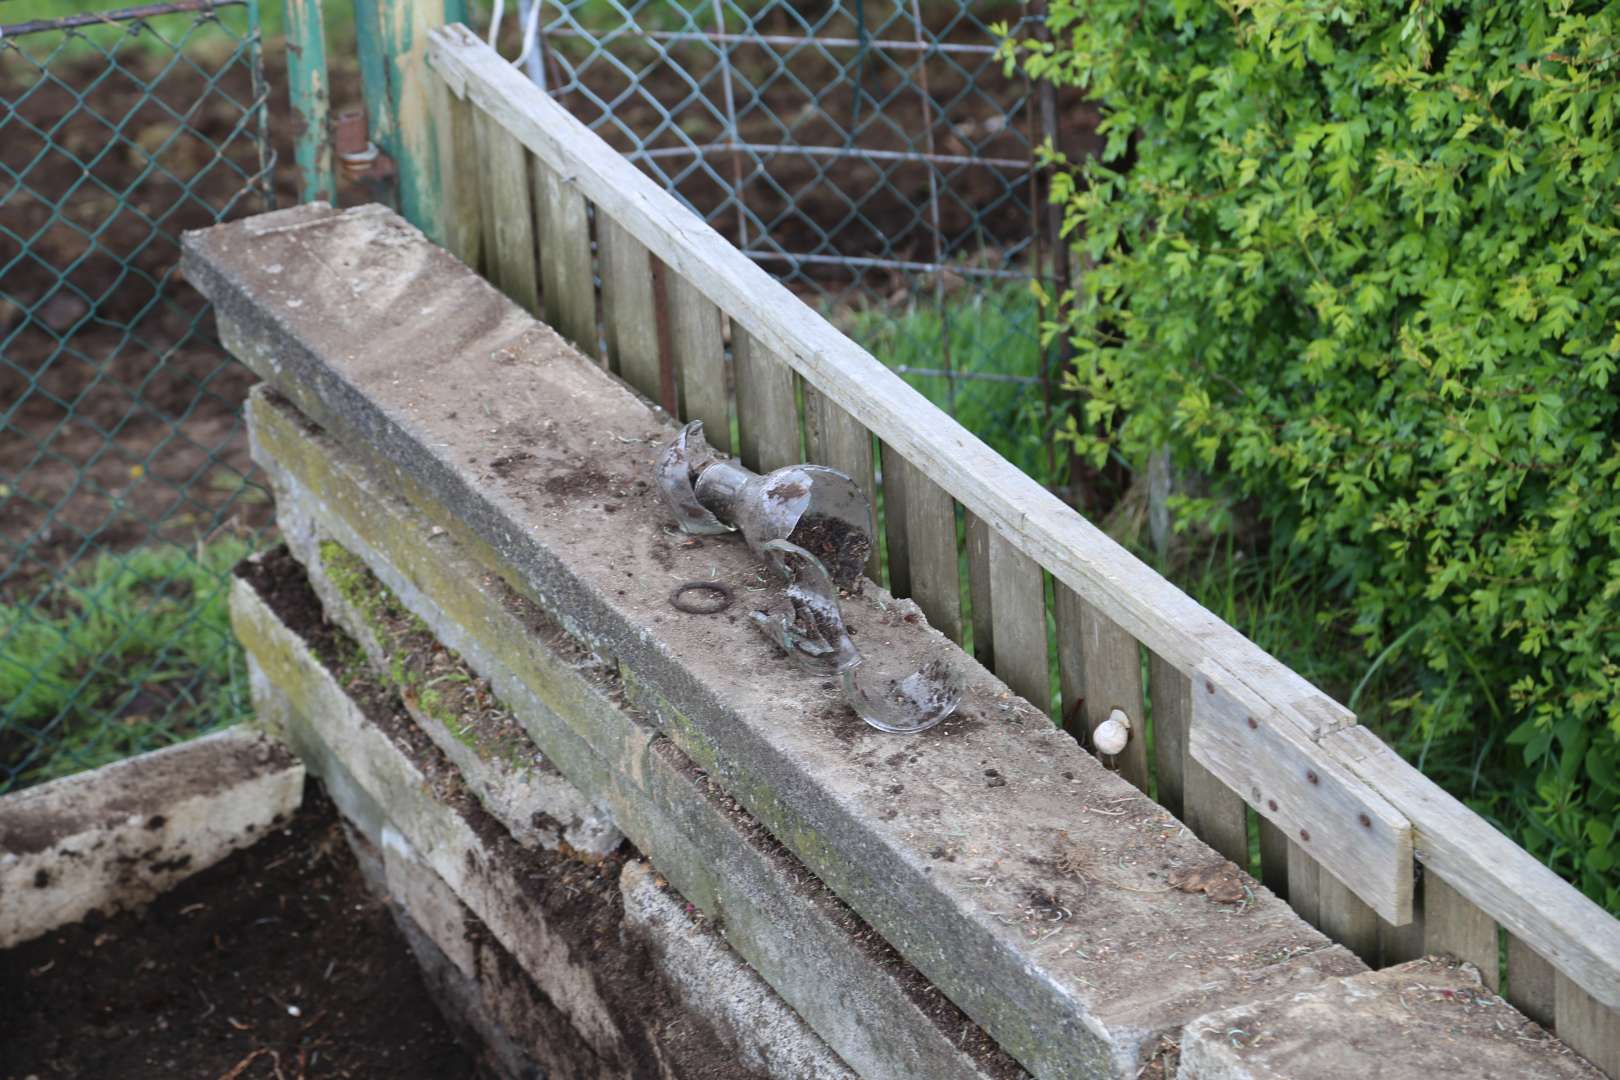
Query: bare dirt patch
x=276, y=961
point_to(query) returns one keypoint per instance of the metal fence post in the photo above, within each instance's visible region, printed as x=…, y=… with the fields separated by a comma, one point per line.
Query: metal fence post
x=392, y=39
x=309, y=89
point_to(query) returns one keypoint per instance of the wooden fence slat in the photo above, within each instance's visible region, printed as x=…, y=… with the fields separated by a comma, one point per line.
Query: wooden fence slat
x=1071, y=647
x=1398, y=944
x=485, y=130
x=1346, y=919
x=1304, y=879
x=1453, y=925
x=982, y=619
x=566, y=271
x=628, y=313
x=309, y=95
x=897, y=552
x=454, y=124
x=833, y=438
x=1273, y=858
x=508, y=218
x=1215, y=813
x=767, y=411
x=1170, y=697
x=1112, y=662
x=1018, y=614
x=931, y=541
x=1517, y=890
x=1287, y=777
x=1587, y=1027
x=699, y=355
x=1532, y=986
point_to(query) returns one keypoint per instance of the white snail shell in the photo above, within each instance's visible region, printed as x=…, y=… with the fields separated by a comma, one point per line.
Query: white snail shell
x=1113, y=733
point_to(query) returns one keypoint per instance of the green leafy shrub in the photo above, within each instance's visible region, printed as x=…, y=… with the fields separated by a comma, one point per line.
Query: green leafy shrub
x=1361, y=259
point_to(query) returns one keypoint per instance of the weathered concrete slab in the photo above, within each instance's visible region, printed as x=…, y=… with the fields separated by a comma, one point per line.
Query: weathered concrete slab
x=1422, y=1020
x=455, y=708
x=420, y=795
x=632, y=1003
x=808, y=945
x=118, y=836
x=1039, y=903
x=520, y=1032
x=714, y=983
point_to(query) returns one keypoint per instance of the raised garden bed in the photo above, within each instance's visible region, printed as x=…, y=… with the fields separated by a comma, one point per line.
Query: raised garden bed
x=275, y=962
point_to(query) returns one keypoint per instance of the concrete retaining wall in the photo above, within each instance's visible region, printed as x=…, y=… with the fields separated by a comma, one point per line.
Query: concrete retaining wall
x=471, y=499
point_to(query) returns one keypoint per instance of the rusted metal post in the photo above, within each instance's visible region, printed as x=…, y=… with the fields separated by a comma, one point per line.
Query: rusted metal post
x=309, y=89
x=392, y=41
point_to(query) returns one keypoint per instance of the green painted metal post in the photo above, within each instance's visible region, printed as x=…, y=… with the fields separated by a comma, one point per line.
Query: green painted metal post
x=393, y=48
x=309, y=88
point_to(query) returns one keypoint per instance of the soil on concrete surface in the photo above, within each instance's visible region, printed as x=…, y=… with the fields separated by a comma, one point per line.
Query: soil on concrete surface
x=277, y=962
x=842, y=548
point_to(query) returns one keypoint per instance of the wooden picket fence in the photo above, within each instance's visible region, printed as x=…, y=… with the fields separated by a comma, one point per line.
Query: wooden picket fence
x=1359, y=843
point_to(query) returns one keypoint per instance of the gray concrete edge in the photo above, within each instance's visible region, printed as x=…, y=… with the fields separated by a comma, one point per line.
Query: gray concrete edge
x=117, y=837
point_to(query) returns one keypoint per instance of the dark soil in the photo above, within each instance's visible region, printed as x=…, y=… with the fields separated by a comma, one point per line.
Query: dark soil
x=842, y=549
x=277, y=962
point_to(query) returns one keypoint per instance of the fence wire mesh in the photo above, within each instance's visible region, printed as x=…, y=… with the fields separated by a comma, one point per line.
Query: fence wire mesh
x=870, y=153
x=873, y=154
x=126, y=492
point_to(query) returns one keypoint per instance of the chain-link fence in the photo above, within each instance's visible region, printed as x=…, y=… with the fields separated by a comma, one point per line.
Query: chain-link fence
x=125, y=487
x=873, y=154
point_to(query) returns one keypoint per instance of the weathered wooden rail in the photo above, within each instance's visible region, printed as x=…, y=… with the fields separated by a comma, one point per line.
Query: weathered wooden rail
x=547, y=209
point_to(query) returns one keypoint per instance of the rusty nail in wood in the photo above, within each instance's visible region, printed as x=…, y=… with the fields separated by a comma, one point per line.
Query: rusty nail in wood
x=1253, y=723
x=1271, y=804
x=1366, y=822
x=1209, y=684
x=1305, y=835
x=1310, y=774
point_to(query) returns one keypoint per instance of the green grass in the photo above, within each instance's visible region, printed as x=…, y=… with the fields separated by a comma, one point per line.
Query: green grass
x=993, y=332
x=120, y=655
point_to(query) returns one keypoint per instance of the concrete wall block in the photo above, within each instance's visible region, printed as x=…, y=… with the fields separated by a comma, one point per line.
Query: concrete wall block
x=1427, y=1018
x=539, y=463
x=520, y=1033
x=715, y=983
x=423, y=799
x=809, y=946
x=116, y=837
x=434, y=828
x=512, y=778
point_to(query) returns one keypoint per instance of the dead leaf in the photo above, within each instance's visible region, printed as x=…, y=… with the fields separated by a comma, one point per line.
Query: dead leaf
x=1220, y=882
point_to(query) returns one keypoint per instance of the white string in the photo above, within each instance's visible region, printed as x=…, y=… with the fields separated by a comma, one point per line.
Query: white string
x=495, y=21
x=529, y=17
x=531, y=27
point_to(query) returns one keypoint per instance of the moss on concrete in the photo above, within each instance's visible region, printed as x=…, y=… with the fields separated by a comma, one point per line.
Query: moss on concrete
x=436, y=686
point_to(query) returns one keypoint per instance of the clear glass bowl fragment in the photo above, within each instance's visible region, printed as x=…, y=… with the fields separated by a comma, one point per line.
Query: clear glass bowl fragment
x=806, y=620
x=906, y=705
x=819, y=509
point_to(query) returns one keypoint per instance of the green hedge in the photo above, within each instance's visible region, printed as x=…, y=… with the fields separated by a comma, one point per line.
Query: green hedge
x=1361, y=259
